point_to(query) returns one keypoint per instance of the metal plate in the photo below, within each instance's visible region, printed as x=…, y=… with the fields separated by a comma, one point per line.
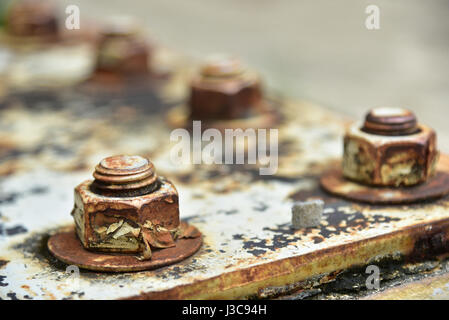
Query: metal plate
x=52, y=139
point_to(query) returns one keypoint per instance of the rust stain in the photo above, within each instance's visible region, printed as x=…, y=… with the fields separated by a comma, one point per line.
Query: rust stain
x=390, y=150
x=67, y=248
x=121, y=113
x=433, y=241
x=436, y=187
x=246, y=282
x=126, y=209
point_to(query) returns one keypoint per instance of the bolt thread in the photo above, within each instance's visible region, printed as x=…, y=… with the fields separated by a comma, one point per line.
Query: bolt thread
x=125, y=176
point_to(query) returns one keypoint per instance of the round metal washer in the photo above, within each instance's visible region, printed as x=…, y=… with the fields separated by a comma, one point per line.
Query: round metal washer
x=66, y=247
x=333, y=182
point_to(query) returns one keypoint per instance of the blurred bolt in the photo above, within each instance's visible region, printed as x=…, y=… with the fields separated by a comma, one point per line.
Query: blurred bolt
x=224, y=89
x=31, y=18
x=122, y=50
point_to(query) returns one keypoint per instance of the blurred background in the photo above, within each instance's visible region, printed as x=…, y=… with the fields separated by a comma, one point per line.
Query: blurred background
x=315, y=49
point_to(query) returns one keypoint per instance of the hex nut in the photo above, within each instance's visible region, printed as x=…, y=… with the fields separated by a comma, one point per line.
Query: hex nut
x=224, y=90
x=118, y=222
x=122, y=50
x=307, y=214
x=406, y=157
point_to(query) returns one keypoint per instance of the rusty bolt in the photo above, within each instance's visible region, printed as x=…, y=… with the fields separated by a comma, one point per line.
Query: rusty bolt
x=122, y=49
x=224, y=89
x=31, y=18
x=127, y=208
x=390, y=122
x=390, y=149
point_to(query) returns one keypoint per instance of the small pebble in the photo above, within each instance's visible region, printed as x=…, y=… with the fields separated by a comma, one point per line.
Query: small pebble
x=307, y=214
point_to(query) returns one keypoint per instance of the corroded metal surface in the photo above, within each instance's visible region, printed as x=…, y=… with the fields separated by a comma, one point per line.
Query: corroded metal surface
x=50, y=140
x=66, y=246
x=401, y=160
x=127, y=224
x=125, y=176
x=126, y=209
x=435, y=187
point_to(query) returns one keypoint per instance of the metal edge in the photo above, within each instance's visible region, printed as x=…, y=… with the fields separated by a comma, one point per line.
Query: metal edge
x=407, y=241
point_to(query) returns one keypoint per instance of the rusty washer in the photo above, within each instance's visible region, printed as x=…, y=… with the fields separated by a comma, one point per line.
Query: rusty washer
x=387, y=153
x=127, y=209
